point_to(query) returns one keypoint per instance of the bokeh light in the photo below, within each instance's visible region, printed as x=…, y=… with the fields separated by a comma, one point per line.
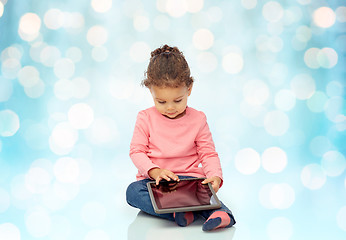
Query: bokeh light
x=74, y=53
x=247, y=161
x=99, y=54
x=54, y=19
x=85, y=171
x=270, y=76
x=285, y=100
x=38, y=222
x=207, y=62
x=121, y=90
x=64, y=89
x=272, y=11
x=6, y=89
x=303, y=33
x=29, y=26
x=313, y=176
x=324, y=17
x=233, y=62
x=103, y=131
x=9, y=123
x=140, y=52
x=274, y=159
x=141, y=23
x=176, y=8
x=37, y=180
x=97, y=36
x=74, y=21
x=303, y=86
x=28, y=76
x=334, y=88
x=64, y=68
x=215, y=14
x=35, y=91
x=49, y=55
x=276, y=196
x=317, y=101
x=63, y=138
x=310, y=58
x=276, y=123
x=9, y=231
x=327, y=57
x=161, y=23
x=333, y=163
x=320, y=145
x=341, y=14
x=81, y=87
x=81, y=115
x=1, y=9
x=101, y=6
x=20, y=195
x=65, y=191
x=249, y=4
x=203, y=39
x=66, y=170
x=194, y=6
x=10, y=68
x=333, y=108
x=256, y=92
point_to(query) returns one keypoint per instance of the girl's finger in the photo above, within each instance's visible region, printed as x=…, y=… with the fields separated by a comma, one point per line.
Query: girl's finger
x=215, y=187
x=174, y=177
x=167, y=178
x=205, y=181
x=158, y=180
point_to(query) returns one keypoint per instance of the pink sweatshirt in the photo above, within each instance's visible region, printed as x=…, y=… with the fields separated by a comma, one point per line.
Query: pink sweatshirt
x=179, y=145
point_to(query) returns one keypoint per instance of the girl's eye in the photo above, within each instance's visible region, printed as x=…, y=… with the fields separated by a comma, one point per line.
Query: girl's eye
x=177, y=101
x=161, y=102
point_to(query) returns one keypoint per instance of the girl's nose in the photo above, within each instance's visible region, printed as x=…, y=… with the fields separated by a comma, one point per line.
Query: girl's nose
x=170, y=107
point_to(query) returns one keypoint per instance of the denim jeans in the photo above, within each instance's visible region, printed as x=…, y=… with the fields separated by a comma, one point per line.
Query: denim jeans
x=137, y=196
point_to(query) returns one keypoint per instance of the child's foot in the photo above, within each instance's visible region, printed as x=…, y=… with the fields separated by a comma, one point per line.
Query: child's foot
x=219, y=219
x=183, y=218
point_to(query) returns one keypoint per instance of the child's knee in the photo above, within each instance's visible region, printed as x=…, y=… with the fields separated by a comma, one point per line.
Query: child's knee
x=134, y=192
x=130, y=192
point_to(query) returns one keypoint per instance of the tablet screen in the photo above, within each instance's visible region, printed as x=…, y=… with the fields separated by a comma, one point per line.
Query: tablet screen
x=187, y=194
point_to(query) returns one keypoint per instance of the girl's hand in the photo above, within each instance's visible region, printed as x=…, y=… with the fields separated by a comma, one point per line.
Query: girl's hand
x=215, y=182
x=159, y=174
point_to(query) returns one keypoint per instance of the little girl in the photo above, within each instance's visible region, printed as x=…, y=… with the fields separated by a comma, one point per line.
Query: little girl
x=172, y=141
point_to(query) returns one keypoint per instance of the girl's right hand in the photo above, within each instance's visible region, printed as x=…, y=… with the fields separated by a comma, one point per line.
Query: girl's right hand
x=159, y=174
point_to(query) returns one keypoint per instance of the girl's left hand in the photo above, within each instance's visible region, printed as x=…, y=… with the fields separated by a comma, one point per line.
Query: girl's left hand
x=215, y=182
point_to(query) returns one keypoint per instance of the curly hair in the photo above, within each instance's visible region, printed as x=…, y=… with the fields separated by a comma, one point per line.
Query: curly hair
x=167, y=68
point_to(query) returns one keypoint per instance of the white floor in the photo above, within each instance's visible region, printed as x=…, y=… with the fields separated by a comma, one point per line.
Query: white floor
x=145, y=226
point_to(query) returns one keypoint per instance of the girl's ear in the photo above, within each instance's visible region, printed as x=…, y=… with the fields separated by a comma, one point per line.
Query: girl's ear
x=190, y=89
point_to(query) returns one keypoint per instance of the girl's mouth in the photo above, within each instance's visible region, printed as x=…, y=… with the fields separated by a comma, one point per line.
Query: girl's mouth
x=171, y=113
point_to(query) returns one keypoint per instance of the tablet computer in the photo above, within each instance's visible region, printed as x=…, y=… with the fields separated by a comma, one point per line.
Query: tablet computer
x=183, y=196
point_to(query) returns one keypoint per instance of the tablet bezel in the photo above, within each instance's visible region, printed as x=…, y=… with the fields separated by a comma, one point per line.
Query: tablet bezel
x=216, y=205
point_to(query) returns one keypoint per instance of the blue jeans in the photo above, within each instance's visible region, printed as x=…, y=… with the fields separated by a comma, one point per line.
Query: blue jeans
x=137, y=196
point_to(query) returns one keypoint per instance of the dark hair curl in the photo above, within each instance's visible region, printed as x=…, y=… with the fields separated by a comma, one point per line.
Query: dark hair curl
x=167, y=68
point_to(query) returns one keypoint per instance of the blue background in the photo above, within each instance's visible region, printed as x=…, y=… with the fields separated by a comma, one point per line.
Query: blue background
x=270, y=76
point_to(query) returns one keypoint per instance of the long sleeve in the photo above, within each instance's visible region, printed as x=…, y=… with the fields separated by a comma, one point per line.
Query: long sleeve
x=139, y=146
x=206, y=151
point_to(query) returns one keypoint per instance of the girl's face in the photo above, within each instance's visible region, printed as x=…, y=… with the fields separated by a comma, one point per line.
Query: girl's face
x=171, y=102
